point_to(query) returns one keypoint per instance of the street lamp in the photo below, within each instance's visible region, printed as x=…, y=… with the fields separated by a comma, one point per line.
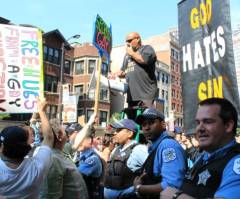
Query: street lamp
x=77, y=36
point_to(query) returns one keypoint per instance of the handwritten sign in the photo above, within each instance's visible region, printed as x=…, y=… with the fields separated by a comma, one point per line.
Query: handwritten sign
x=21, y=68
x=102, y=38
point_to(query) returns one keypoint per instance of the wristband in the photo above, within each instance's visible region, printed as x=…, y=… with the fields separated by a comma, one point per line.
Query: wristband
x=137, y=190
x=178, y=193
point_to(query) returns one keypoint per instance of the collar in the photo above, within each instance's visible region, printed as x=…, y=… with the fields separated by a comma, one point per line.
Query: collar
x=155, y=144
x=86, y=153
x=219, y=152
x=124, y=147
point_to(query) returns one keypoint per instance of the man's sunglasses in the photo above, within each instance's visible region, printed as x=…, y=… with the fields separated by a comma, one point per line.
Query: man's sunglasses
x=130, y=40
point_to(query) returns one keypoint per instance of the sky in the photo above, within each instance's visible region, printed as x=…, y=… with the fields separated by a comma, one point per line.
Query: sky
x=70, y=17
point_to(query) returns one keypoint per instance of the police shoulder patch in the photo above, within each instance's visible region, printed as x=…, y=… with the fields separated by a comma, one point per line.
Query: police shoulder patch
x=236, y=166
x=169, y=154
x=90, y=161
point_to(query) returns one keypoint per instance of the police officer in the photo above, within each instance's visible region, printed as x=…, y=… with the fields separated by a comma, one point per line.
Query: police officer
x=91, y=168
x=166, y=163
x=217, y=172
x=125, y=161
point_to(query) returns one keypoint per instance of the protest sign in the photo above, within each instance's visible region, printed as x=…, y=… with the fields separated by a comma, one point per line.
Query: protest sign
x=21, y=68
x=207, y=64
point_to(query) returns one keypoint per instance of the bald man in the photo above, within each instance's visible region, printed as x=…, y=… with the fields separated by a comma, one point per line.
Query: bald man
x=139, y=70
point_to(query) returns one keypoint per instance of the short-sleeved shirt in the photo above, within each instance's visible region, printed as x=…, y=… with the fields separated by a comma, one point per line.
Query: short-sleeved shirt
x=230, y=183
x=90, y=163
x=63, y=179
x=141, y=77
x=169, y=161
x=25, y=181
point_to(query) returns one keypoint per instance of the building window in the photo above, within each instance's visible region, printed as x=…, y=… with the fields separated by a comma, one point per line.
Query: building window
x=50, y=54
x=80, y=112
x=163, y=94
x=103, y=118
x=67, y=67
x=104, y=94
x=166, y=95
x=91, y=66
x=167, y=79
x=176, y=68
x=79, y=91
x=176, y=55
x=172, y=65
x=51, y=83
x=45, y=53
x=163, y=78
x=158, y=75
x=79, y=68
x=172, y=52
x=173, y=93
x=104, y=69
x=89, y=113
x=172, y=79
x=173, y=106
x=91, y=93
x=56, y=58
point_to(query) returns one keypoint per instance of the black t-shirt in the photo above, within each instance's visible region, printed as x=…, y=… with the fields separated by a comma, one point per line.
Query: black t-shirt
x=141, y=77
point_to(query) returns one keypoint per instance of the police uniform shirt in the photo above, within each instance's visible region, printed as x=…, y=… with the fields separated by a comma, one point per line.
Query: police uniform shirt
x=137, y=157
x=90, y=163
x=230, y=184
x=169, y=161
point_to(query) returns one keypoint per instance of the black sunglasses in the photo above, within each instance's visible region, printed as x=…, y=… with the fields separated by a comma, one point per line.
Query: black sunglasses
x=130, y=40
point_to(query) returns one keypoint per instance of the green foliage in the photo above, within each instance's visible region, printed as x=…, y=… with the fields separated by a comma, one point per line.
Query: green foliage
x=238, y=131
x=4, y=116
x=115, y=116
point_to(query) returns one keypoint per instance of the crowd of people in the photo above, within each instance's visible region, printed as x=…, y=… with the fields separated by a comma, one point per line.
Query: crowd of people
x=137, y=159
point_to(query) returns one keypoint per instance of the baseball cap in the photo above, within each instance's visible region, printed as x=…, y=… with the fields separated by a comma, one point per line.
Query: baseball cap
x=73, y=127
x=149, y=113
x=125, y=124
x=13, y=135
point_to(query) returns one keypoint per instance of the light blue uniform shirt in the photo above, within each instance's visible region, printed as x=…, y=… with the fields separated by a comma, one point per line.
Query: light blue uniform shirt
x=230, y=184
x=90, y=163
x=169, y=161
x=135, y=161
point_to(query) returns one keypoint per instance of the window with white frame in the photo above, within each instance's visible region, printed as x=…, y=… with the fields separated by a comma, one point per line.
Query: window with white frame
x=91, y=93
x=67, y=67
x=50, y=83
x=89, y=113
x=79, y=91
x=91, y=66
x=104, y=94
x=79, y=67
x=103, y=118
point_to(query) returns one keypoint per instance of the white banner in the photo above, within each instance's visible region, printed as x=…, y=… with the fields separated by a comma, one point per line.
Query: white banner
x=21, y=68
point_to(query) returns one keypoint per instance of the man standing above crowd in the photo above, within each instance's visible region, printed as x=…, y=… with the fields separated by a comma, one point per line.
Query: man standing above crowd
x=139, y=69
x=166, y=163
x=217, y=172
